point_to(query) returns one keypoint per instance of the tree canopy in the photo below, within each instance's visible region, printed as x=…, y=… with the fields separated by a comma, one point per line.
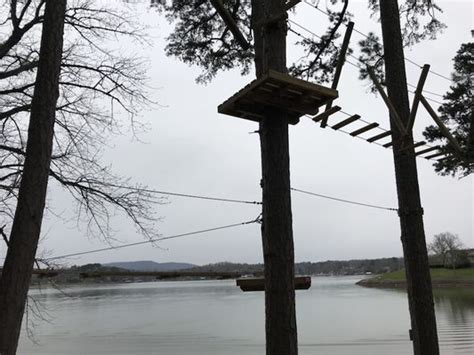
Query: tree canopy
x=201, y=38
x=457, y=113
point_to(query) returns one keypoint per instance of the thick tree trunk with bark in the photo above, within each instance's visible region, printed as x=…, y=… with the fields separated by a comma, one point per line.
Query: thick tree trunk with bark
x=26, y=228
x=420, y=297
x=277, y=231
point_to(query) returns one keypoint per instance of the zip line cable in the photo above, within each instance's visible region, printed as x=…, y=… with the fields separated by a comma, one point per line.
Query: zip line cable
x=366, y=36
x=201, y=197
x=228, y=226
x=345, y=201
x=257, y=220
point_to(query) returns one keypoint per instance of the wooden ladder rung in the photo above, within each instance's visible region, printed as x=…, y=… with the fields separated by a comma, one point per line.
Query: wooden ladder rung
x=326, y=114
x=444, y=158
x=415, y=145
x=426, y=150
x=379, y=136
x=345, y=122
x=364, y=129
x=434, y=155
x=418, y=144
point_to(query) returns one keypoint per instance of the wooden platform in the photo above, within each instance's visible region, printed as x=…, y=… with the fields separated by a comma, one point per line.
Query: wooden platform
x=257, y=283
x=279, y=91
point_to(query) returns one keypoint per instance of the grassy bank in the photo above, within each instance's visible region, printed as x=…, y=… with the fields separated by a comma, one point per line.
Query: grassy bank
x=440, y=278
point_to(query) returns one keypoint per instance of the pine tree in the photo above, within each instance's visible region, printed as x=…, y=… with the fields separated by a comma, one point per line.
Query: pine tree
x=457, y=113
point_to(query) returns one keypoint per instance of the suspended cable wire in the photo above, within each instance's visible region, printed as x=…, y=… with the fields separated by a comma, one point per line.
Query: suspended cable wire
x=316, y=7
x=427, y=91
x=201, y=197
x=204, y=197
x=354, y=57
x=257, y=220
x=345, y=201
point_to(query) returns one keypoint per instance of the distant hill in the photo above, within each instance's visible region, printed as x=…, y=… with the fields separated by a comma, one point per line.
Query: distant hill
x=148, y=265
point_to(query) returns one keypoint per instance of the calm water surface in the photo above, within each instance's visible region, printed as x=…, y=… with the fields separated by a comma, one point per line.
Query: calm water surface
x=335, y=317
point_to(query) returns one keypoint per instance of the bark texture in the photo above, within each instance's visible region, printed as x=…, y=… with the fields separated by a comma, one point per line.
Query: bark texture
x=420, y=296
x=26, y=228
x=277, y=231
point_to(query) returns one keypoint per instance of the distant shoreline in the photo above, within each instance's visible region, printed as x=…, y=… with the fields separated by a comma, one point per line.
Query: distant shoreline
x=403, y=285
x=440, y=278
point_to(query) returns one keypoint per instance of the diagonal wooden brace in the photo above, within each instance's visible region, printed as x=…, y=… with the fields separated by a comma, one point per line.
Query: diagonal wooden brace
x=416, y=99
x=291, y=3
x=325, y=115
x=230, y=23
x=442, y=127
x=340, y=63
x=391, y=108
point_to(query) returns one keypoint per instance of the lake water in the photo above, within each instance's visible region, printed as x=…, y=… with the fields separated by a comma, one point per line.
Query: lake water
x=334, y=316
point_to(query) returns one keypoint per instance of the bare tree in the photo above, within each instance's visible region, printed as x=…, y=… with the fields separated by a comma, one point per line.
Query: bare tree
x=92, y=79
x=448, y=246
x=26, y=228
x=97, y=86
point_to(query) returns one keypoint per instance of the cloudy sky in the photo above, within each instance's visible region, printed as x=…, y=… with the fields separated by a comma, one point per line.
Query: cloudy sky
x=192, y=149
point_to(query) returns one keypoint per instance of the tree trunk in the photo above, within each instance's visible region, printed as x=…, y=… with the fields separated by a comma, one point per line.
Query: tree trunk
x=470, y=142
x=420, y=297
x=277, y=232
x=18, y=266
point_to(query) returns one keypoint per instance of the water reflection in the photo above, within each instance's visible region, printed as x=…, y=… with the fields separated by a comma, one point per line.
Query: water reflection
x=335, y=317
x=457, y=304
x=455, y=316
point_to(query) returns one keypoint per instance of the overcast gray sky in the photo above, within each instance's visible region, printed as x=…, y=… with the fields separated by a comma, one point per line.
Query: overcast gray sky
x=192, y=149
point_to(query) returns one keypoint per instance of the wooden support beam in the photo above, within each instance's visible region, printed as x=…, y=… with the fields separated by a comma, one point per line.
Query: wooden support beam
x=379, y=136
x=442, y=127
x=418, y=144
x=387, y=145
x=345, y=122
x=364, y=129
x=396, y=118
x=291, y=3
x=230, y=23
x=340, y=63
x=326, y=114
x=278, y=17
x=418, y=93
x=427, y=150
x=434, y=155
x=272, y=20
